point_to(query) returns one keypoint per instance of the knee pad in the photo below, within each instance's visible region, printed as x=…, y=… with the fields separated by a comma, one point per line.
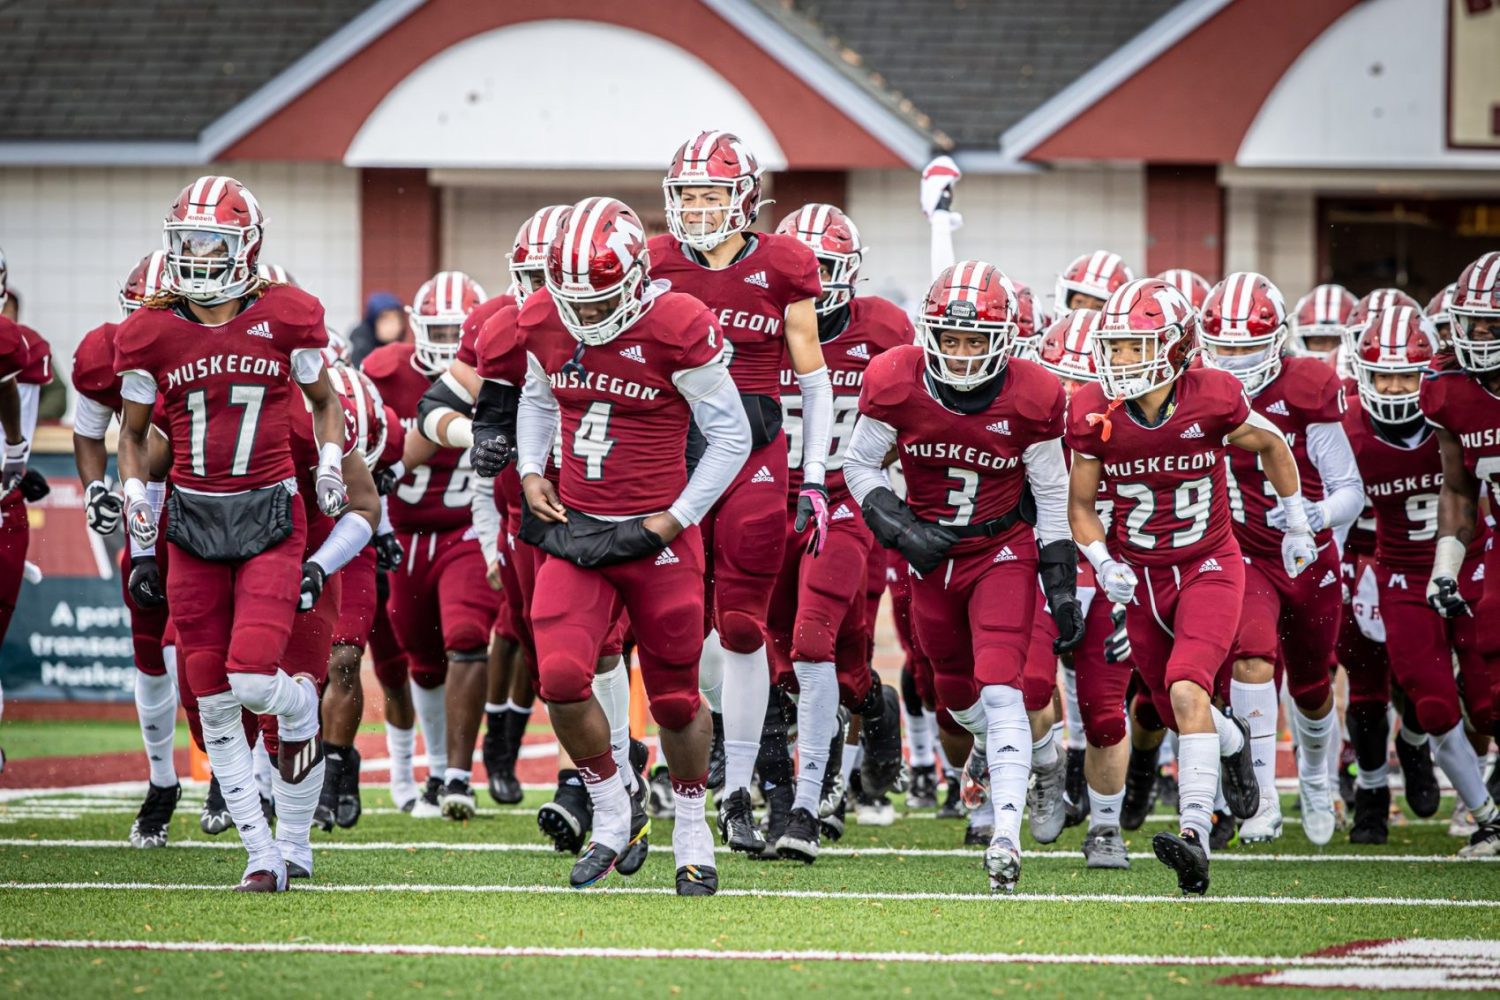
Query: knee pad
x=468, y=655
x=813, y=641
x=565, y=679
x=1146, y=714
x=948, y=724
x=467, y=635
x=1435, y=713
x=956, y=690
x=427, y=674
x=1310, y=694
x=740, y=632
x=254, y=691
x=1036, y=691
x=675, y=709
x=257, y=646
x=148, y=654
x=1103, y=728
x=391, y=672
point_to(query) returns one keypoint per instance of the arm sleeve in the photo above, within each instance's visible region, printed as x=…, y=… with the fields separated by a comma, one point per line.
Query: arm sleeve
x=941, y=222
x=720, y=416
x=138, y=387
x=537, y=416
x=1048, y=475
x=870, y=442
x=495, y=410
x=486, y=518
x=31, y=396
x=446, y=395
x=1343, y=489
x=306, y=363
x=817, y=424
x=350, y=534
x=91, y=419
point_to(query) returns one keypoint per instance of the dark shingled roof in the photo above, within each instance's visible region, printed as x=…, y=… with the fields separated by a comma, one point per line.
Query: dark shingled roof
x=973, y=68
x=154, y=70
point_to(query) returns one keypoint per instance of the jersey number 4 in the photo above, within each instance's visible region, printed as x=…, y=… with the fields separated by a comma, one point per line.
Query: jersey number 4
x=591, y=443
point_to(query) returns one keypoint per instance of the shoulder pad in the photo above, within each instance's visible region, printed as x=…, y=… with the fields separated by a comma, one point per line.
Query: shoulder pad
x=385, y=361
x=1312, y=384
x=1036, y=391
x=293, y=305
x=890, y=377
x=538, y=308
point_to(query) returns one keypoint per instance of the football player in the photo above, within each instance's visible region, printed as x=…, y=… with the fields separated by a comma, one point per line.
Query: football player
x=1320, y=322
x=974, y=429
x=1193, y=286
x=1286, y=619
x=1158, y=430
x=618, y=364
x=1442, y=319
x=1458, y=398
x=1031, y=322
x=219, y=353
x=1088, y=281
x=763, y=290
x=18, y=402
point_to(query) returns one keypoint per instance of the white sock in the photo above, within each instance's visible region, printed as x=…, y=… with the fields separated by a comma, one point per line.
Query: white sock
x=1070, y=705
x=1412, y=736
x=611, y=812
x=937, y=743
x=1335, y=748
x=490, y=708
x=432, y=713
x=747, y=691
x=229, y=756
x=613, y=692
x=1230, y=736
x=261, y=764
x=711, y=672
x=398, y=744
x=1009, y=756
x=1044, y=750
x=692, y=843
x=1197, y=782
x=156, y=708
x=1104, y=810
x=1256, y=704
x=1456, y=756
x=817, y=722
x=456, y=774
x=973, y=719
x=852, y=755
x=295, y=804
x=919, y=738
x=1314, y=746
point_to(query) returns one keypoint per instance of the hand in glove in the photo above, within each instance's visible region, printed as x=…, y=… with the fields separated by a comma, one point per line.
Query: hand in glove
x=812, y=508
x=145, y=583
x=313, y=579
x=102, y=509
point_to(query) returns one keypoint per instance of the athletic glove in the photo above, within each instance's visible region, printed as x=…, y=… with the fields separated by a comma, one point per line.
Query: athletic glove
x=102, y=509
x=333, y=496
x=145, y=583
x=812, y=506
x=1118, y=581
x=387, y=479
x=1317, y=517
x=388, y=552
x=491, y=455
x=1117, y=644
x=938, y=178
x=34, y=486
x=1298, y=549
x=14, y=466
x=313, y=579
x=1057, y=565
x=922, y=543
x=140, y=517
x=1442, y=586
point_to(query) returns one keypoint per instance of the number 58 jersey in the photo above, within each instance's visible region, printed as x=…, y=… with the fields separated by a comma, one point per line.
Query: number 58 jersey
x=1171, y=505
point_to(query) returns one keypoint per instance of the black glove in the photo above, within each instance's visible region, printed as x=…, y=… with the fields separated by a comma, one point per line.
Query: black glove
x=145, y=583
x=313, y=579
x=34, y=486
x=388, y=553
x=491, y=455
x=1442, y=594
x=922, y=543
x=102, y=509
x=386, y=480
x=1057, y=565
x=1117, y=645
x=589, y=542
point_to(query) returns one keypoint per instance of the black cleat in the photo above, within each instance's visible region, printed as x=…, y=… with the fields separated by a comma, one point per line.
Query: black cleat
x=153, y=823
x=1225, y=832
x=328, y=798
x=458, y=801
x=592, y=865
x=978, y=836
x=567, y=819
x=634, y=854
x=1140, y=789
x=215, y=818
x=1183, y=854
x=716, y=759
x=832, y=825
x=1422, y=792
x=1348, y=772
x=1237, y=776
x=923, y=794
x=661, y=802
x=349, y=807
x=502, y=745
x=1075, y=790
x=697, y=880
x=737, y=824
x=1372, y=816
x=1166, y=790
x=880, y=768
x=953, y=804
x=799, y=842
x=429, y=804
x=779, y=799
x=1484, y=842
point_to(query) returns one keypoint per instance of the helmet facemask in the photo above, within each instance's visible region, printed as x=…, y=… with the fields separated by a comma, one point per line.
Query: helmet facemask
x=436, y=339
x=972, y=370
x=629, y=305
x=1153, y=369
x=688, y=225
x=1476, y=353
x=1397, y=408
x=1255, y=369
x=209, y=264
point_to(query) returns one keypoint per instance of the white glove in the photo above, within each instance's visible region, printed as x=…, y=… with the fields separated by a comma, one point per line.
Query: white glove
x=1317, y=517
x=14, y=466
x=1118, y=581
x=140, y=516
x=1298, y=550
x=333, y=497
x=102, y=509
x=938, y=179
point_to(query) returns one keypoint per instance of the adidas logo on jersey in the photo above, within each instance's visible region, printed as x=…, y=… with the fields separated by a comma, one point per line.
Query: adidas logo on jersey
x=1478, y=576
x=1000, y=427
x=667, y=557
x=763, y=476
x=1210, y=565
x=261, y=329
x=1005, y=555
x=1328, y=580
x=1193, y=432
x=842, y=513
x=758, y=279
x=861, y=351
x=633, y=353
x=1278, y=408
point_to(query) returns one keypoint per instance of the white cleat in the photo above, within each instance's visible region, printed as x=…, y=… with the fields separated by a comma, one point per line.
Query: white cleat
x=1318, y=818
x=1462, y=824
x=429, y=804
x=1002, y=862
x=1265, y=826
x=874, y=812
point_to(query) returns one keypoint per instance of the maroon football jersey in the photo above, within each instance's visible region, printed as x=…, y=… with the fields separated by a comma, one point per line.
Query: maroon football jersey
x=1402, y=485
x=499, y=352
x=94, y=373
x=624, y=424
x=1455, y=401
x=224, y=389
x=38, y=370
x=749, y=298
x=962, y=468
x=1171, y=504
x=468, y=340
x=1306, y=392
x=875, y=326
x=1361, y=538
x=431, y=497
x=14, y=353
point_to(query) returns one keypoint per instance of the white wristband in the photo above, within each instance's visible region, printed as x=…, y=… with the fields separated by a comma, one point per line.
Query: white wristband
x=330, y=457
x=1449, y=559
x=1296, y=515
x=135, y=489
x=1098, y=554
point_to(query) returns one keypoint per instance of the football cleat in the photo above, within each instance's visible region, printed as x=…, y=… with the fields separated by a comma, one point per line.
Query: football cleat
x=953, y=802
x=634, y=854
x=1226, y=831
x=1462, y=824
x=592, y=865
x=660, y=801
x=349, y=807
x=1318, y=818
x=975, y=784
x=833, y=792
x=799, y=842
x=1492, y=784
x=458, y=801
x=1185, y=855
x=298, y=859
x=1372, y=811
x=1484, y=842
x=499, y=751
x=1103, y=847
x=264, y=875
x=737, y=824
x=215, y=818
x=981, y=828
x=429, y=804
x=1044, y=801
x=1423, y=795
x=779, y=799
x=154, y=821
x=567, y=819
x=1264, y=826
x=1166, y=789
x=1140, y=788
x=833, y=824
x=697, y=880
x=1237, y=777
x=717, y=761
x=1002, y=862
x=870, y=810
x=1348, y=773
x=923, y=793
x=1075, y=789
x=328, y=798
x=880, y=735
x=404, y=791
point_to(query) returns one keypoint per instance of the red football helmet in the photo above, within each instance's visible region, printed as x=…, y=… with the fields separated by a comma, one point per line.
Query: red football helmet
x=599, y=259
x=146, y=279
x=1099, y=275
x=436, y=316
x=1068, y=346
x=275, y=274
x=969, y=297
x=366, y=417
x=1322, y=312
x=1379, y=300
x=528, y=255
x=1397, y=341
x=1156, y=320
x=1031, y=322
x=1191, y=284
x=712, y=159
x=834, y=240
x=1437, y=311
x=212, y=237
x=1475, y=324
x=1243, y=327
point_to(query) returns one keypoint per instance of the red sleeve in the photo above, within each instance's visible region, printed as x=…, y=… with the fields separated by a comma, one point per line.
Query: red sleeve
x=1079, y=434
x=700, y=341
x=883, y=390
x=395, y=439
x=1434, y=393
x=301, y=316
x=14, y=352
x=38, y=370
x=1237, y=403
x=133, y=342
x=499, y=352
x=1318, y=394
x=801, y=271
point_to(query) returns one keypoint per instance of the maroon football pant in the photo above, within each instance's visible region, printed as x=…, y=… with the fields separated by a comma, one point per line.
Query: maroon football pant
x=1488, y=611
x=146, y=624
x=1422, y=643
x=1363, y=659
x=1102, y=686
x=357, y=600
x=308, y=648
x=744, y=536
x=440, y=601
x=1295, y=622
x=876, y=570
x=385, y=652
x=1182, y=623
x=15, y=535
x=235, y=616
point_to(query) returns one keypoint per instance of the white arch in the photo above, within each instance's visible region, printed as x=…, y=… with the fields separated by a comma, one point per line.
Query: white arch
x=556, y=94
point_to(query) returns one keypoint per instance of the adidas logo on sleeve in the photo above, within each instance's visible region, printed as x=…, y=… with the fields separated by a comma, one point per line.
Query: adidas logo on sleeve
x=1279, y=408
x=758, y=279
x=763, y=475
x=1193, y=432
x=633, y=353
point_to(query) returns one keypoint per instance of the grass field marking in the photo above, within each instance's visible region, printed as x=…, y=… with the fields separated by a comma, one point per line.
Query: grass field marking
x=618, y=890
